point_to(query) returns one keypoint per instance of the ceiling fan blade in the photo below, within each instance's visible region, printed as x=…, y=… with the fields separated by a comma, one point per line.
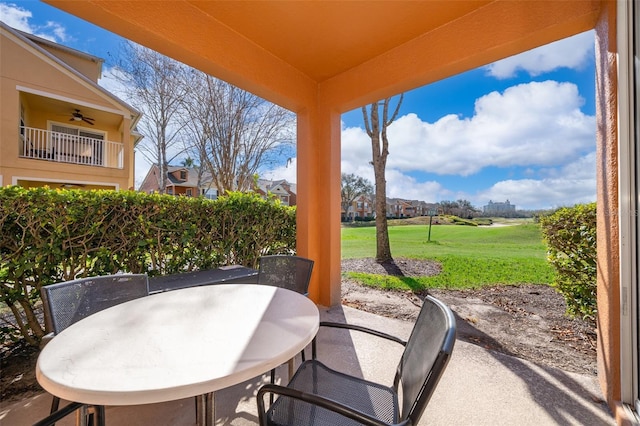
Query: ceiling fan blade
x=86, y=120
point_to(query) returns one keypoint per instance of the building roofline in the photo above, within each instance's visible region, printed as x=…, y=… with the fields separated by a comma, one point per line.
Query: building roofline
x=61, y=47
x=28, y=41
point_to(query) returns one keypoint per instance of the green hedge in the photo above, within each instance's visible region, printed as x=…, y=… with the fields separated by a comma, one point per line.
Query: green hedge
x=570, y=234
x=50, y=236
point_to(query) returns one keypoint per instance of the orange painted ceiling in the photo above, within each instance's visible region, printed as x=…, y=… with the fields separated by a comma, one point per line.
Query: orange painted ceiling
x=325, y=38
x=284, y=50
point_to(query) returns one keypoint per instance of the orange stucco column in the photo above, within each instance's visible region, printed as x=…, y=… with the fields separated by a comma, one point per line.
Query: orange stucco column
x=607, y=208
x=318, y=182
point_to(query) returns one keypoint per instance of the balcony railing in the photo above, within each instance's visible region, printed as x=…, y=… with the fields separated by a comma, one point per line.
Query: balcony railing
x=65, y=148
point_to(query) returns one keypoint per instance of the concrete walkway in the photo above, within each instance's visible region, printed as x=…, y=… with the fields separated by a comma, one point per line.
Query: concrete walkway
x=479, y=387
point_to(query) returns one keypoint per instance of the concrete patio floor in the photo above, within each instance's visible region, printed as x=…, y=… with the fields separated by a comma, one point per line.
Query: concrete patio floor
x=479, y=387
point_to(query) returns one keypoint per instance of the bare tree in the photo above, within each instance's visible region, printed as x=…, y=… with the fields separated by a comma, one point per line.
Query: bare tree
x=448, y=207
x=465, y=208
x=152, y=83
x=235, y=132
x=352, y=187
x=377, y=131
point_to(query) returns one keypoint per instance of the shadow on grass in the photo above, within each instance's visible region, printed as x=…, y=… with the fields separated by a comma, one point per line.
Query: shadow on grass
x=412, y=283
x=392, y=268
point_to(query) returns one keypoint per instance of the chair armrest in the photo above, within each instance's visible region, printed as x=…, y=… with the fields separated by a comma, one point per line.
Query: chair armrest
x=364, y=330
x=355, y=328
x=319, y=401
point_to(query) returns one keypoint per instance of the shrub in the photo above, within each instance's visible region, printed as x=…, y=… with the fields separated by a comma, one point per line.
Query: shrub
x=50, y=236
x=570, y=234
x=455, y=220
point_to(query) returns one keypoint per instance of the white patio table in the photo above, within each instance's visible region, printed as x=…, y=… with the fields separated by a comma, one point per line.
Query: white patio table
x=177, y=344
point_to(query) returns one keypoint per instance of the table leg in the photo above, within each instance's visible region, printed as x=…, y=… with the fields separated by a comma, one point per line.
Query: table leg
x=81, y=416
x=291, y=369
x=205, y=410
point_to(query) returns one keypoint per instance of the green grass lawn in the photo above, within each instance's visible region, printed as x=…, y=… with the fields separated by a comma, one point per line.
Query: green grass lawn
x=471, y=257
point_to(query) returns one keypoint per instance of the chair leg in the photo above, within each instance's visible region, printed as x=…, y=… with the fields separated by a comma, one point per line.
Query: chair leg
x=273, y=380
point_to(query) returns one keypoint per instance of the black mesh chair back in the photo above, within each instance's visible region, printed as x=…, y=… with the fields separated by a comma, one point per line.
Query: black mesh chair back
x=68, y=302
x=290, y=272
x=425, y=357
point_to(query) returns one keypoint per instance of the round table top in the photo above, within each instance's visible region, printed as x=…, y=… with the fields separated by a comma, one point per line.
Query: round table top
x=177, y=344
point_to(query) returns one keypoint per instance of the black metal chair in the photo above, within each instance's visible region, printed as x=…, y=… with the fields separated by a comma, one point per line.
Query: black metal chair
x=68, y=302
x=319, y=395
x=290, y=272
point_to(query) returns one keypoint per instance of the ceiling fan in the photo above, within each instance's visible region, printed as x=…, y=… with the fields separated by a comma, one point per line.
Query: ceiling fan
x=77, y=116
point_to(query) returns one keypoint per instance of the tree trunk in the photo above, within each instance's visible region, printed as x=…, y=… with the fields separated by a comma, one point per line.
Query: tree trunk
x=380, y=149
x=383, y=248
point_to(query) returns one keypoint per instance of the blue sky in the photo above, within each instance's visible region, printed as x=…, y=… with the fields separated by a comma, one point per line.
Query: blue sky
x=521, y=129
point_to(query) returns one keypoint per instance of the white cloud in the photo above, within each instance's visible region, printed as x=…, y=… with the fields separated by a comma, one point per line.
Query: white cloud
x=18, y=17
x=287, y=172
x=530, y=124
x=400, y=185
x=572, y=184
x=59, y=32
x=537, y=127
x=573, y=52
x=112, y=80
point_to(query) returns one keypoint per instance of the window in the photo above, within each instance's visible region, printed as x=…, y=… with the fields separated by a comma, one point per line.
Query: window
x=189, y=192
x=77, y=145
x=210, y=194
x=183, y=175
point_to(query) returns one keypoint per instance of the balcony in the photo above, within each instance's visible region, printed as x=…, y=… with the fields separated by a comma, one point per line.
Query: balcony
x=67, y=148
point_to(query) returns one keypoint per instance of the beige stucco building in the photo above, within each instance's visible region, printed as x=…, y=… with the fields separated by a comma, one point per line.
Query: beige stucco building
x=320, y=59
x=58, y=127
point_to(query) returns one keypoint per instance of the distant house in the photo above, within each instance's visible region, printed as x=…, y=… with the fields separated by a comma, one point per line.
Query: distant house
x=282, y=189
x=399, y=208
x=361, y=207
x=58, y=127
x=422, y=208
x=499, y=208
x=179, y=180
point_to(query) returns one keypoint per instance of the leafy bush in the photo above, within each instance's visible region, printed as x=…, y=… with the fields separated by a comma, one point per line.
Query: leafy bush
x=50, y=236
x=455, y=220
x=570, y=234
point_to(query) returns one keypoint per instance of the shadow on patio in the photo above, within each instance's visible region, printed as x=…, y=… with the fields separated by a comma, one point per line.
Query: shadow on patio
x=479, y=387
